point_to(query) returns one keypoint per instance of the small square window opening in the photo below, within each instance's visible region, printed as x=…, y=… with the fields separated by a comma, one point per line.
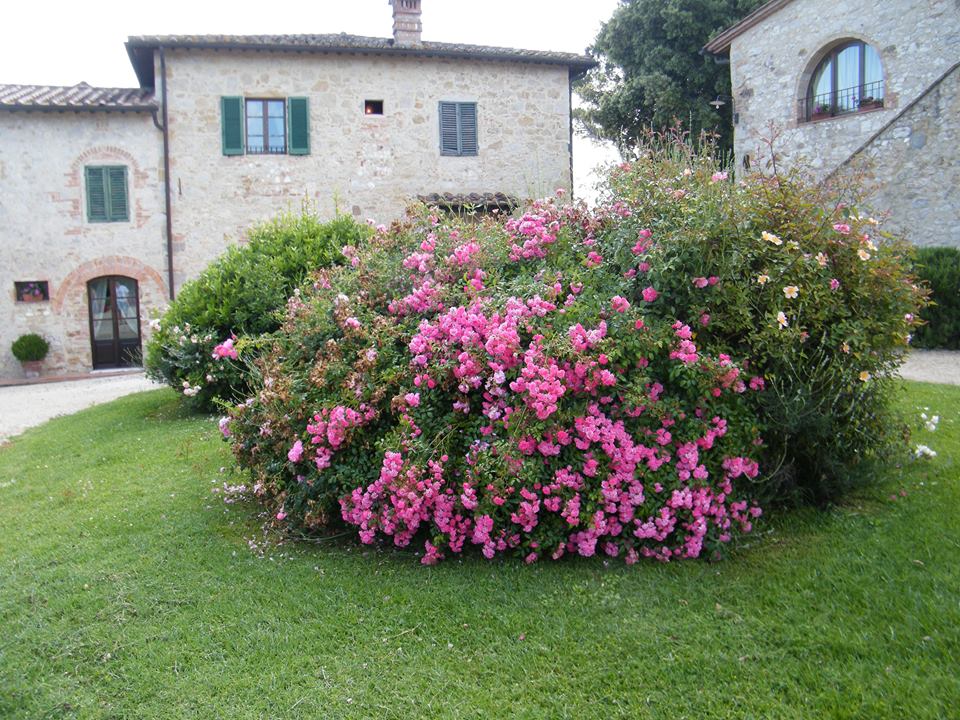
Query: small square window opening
x=373, y=107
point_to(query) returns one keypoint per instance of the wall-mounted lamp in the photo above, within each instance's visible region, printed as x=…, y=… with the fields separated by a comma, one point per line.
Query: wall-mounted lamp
x=720, y=101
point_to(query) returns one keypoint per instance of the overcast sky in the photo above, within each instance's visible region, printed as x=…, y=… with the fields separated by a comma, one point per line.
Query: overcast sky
x=62, y=43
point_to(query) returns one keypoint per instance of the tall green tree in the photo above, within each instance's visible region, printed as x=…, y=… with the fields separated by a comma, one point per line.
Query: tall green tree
x=651, y=73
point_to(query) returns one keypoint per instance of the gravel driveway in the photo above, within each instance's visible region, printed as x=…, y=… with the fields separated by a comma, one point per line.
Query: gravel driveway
x=23, y=406
x=936, y=366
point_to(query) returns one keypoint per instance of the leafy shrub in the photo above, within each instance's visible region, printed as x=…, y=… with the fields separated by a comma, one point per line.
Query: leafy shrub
x=776, y=270
x=499, y=388
x=582, y=382
x=239, y=295
x=30, y=348
x=939, y=268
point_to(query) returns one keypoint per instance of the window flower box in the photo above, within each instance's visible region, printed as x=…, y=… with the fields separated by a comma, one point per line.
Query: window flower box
x=820, y=112
x=869, y=103
x=33, y=291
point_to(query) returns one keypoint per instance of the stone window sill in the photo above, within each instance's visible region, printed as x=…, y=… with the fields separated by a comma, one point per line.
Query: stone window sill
x=842, y=116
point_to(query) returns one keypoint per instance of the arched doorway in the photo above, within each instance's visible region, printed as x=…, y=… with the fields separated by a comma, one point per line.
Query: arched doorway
x=114, y=321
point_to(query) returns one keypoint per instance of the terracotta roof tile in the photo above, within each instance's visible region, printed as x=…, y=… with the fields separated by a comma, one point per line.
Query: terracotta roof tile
x=468, y=200
x=140, y=49
x=76, y=97
x=720, y=43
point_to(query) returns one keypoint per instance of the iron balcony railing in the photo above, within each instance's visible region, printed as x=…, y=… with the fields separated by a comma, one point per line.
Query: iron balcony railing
x=261, y=150
x=839, y=102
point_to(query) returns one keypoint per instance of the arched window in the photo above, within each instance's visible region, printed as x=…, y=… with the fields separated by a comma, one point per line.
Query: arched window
x=848, y=79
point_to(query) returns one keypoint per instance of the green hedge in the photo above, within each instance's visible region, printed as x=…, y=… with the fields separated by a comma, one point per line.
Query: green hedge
x=239, y=295
x=939, y=267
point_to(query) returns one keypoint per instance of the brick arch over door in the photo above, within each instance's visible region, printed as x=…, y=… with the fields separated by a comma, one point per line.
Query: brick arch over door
x=75, y=284
x=70, y=301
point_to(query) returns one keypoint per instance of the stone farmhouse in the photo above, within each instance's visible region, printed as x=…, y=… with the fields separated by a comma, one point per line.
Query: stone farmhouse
x=112, y=198
x=857, y=83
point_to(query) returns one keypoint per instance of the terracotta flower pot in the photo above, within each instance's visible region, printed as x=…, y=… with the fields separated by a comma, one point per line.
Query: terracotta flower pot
x=31, y=368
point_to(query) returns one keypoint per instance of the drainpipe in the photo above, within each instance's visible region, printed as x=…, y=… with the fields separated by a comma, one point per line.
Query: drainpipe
x=570, y=128
x=166, y=172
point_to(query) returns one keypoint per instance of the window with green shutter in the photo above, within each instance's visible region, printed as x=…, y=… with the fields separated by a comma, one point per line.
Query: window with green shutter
x=107, y=199
x=458, y=128
x=231, y=125
x=265, y=126
x=298, y=119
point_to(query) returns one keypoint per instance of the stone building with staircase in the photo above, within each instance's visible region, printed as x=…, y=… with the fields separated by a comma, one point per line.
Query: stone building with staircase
x=113, y=197
x=856, y=84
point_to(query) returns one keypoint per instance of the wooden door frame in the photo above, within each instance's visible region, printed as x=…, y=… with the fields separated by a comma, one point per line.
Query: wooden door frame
x=114, y=316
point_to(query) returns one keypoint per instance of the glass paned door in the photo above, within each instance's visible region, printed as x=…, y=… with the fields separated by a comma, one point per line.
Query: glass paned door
x=114, y=322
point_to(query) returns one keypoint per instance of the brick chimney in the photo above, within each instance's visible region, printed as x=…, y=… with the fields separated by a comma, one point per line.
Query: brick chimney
x=406, y=22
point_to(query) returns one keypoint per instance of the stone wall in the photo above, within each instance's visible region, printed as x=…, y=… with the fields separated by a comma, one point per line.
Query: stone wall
x=367, y=166
x=45, y=235
x=772, y=62
x=914, y=164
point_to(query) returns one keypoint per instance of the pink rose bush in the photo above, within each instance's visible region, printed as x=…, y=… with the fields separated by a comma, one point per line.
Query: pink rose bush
x=537, y=413
x=573, y=382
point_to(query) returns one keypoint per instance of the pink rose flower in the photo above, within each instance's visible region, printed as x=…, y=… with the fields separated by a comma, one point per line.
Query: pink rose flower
x=296, y=452
x=225, y=350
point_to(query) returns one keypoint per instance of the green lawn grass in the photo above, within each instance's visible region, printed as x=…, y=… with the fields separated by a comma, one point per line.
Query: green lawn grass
x=129, y=590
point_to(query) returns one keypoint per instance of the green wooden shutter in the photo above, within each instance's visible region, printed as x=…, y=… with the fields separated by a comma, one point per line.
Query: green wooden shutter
x=449, y=138
x=468, y=128
x=117, y=195
x=96, y=194
x=298, y=126
x=231, y=125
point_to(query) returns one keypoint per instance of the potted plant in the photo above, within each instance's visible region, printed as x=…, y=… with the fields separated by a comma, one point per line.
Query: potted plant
x=869, y=103
x=31, y=292
x=30, y=350
x=820, y=110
